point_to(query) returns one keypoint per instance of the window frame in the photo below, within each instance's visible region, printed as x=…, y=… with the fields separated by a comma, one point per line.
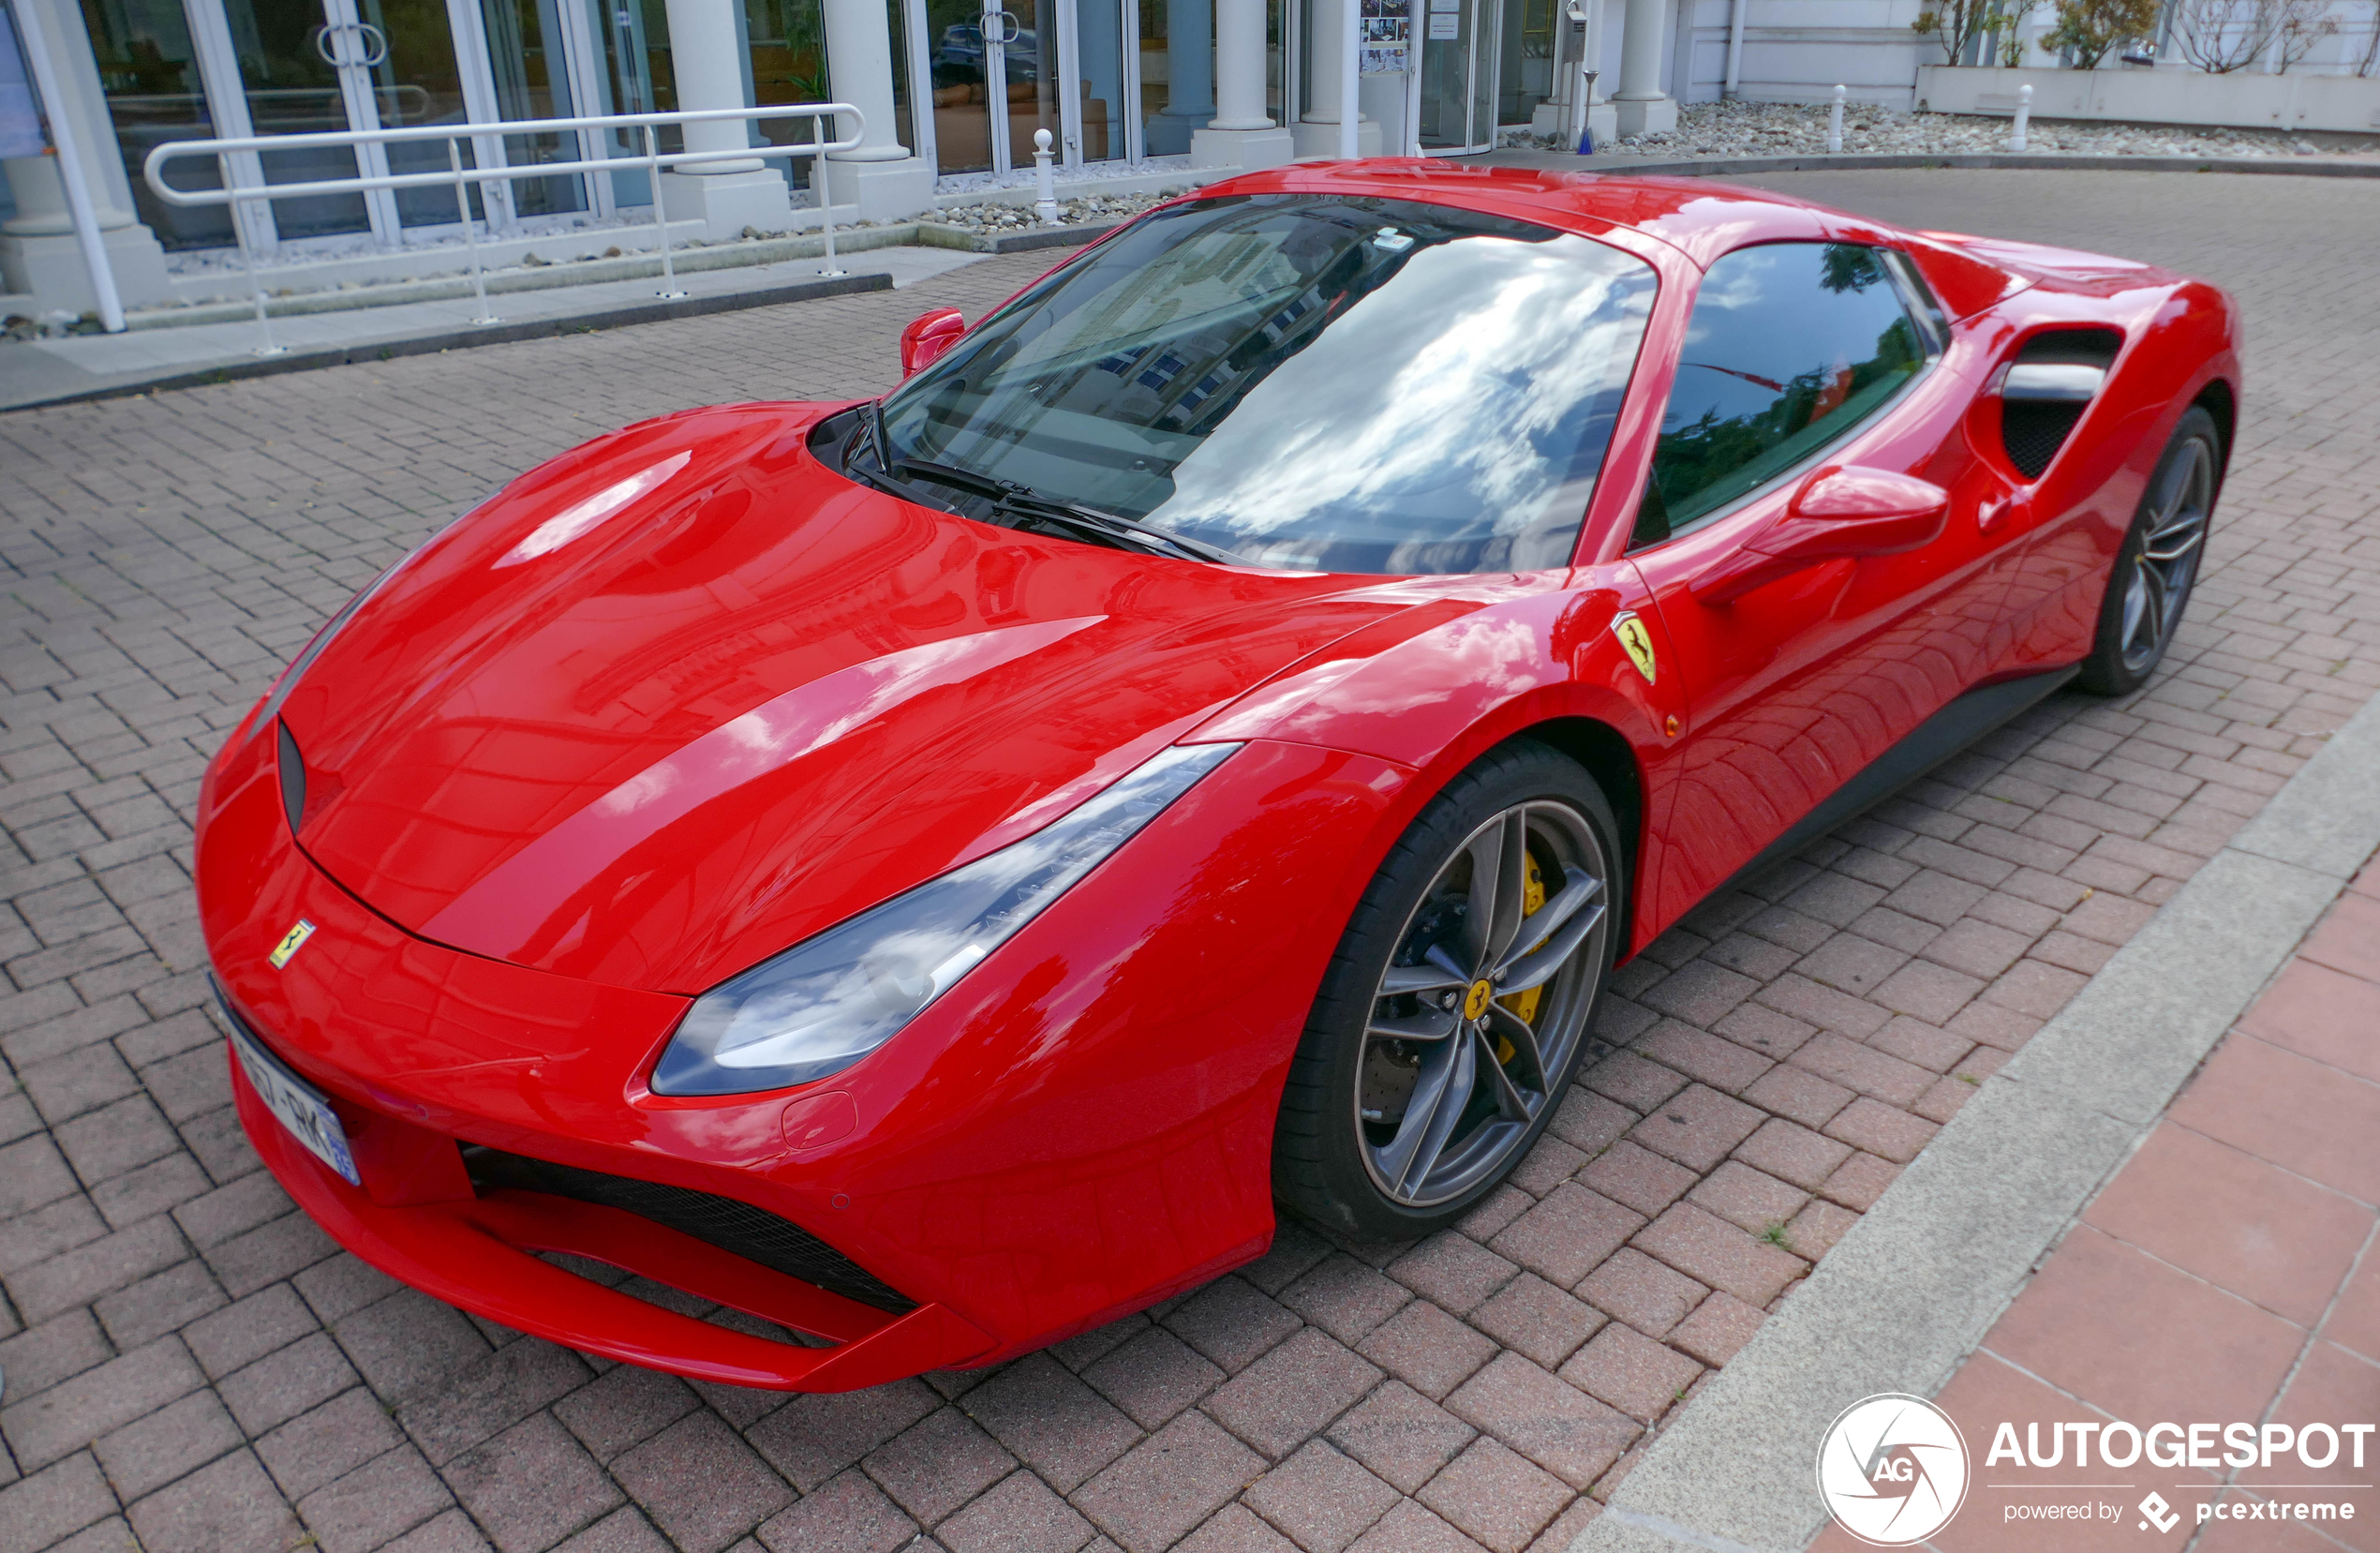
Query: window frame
x=1925, y=318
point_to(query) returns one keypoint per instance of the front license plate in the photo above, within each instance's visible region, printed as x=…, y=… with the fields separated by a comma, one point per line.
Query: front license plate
x=296, y=1105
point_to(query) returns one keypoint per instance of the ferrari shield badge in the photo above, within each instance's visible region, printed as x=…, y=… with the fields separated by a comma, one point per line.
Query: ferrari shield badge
x=1636, y=641
x=291, y=943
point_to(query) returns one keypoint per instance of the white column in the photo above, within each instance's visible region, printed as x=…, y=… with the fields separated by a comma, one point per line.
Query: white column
x=38, y=252
x=1644, y=108
x=1317, y=130
x=882, y=177
x=1242, y=133
x=727, y=196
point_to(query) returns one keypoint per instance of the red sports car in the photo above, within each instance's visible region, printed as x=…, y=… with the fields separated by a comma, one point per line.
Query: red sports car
x=935, y=874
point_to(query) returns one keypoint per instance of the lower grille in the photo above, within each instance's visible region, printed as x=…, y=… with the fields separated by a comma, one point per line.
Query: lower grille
x=753, y=1234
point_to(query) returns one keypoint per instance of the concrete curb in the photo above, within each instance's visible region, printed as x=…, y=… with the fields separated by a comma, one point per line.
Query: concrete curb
x=457, y=339
x=1912, y=1290
x=1725, y=167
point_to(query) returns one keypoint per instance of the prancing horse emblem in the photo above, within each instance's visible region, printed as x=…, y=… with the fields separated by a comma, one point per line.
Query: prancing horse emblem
x=1635, y=640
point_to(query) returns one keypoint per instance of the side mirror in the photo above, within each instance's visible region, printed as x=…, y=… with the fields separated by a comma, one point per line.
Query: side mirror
x=1842, y=510
x=927, y=336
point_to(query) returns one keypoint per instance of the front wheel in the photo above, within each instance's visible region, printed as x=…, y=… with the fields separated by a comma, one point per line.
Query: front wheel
x=1456, y=1009
x=2159, y=561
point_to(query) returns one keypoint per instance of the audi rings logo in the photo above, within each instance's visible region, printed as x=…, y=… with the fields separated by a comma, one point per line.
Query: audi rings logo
x=1892, y=1470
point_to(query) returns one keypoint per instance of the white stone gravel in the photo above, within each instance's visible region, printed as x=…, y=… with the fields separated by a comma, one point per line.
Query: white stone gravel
x=1085, y=210
x=1785, y=129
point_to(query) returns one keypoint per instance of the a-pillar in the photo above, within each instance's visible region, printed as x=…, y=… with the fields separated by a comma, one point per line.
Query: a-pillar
x=1318, y=130
x=725, y=196
x=1242, y=133
x=1644, y=108
x=882, y=177
x=38, y=252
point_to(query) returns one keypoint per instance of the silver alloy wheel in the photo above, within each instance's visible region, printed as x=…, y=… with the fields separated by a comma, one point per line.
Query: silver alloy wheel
x=1451, y=1078
x=2172, y=539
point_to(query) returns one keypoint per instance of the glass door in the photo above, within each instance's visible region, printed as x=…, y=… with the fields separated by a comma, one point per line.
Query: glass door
x=289, y=81
x=1457, y=88
x=962, y=84
x=1029, y=64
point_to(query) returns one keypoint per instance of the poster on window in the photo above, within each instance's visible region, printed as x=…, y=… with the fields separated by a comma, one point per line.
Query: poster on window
x=1388, y=36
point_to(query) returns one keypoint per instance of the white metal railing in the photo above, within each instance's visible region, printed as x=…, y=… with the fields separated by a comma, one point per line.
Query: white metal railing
x=229, y=153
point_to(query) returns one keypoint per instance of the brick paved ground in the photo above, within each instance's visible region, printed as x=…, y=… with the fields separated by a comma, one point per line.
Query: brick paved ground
x=191, y=1362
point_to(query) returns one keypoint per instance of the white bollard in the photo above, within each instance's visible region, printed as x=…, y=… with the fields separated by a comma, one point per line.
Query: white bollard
x=1044, y=204
x=1834, y=124
x=2024, y=117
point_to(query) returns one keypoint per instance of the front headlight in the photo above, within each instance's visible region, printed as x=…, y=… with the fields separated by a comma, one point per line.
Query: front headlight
x=830, y=1000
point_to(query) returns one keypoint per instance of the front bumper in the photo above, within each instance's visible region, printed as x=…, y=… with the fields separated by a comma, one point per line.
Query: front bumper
x=1083, y=1127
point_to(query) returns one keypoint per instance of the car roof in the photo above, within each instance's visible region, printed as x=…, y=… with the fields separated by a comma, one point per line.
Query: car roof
x=1701, y=216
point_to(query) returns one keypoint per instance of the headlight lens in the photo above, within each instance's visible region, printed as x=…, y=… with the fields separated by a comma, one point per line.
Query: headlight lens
x=830, y=1000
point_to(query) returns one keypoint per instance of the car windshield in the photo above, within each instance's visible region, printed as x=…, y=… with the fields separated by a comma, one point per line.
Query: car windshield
x=1315, y=382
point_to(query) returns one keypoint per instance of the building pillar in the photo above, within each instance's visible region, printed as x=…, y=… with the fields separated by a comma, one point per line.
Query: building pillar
x=39, y=254
x=880, y=177
x=1318, y=130
x=1644, y=108
x=725, y=196
x=1242, y=133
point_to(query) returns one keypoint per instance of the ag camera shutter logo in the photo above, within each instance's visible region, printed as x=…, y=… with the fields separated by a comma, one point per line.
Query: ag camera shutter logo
x=1892, y=1470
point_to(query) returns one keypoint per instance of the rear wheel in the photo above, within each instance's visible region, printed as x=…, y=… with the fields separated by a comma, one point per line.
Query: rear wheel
x=2159, y=562
x=1456, y=1012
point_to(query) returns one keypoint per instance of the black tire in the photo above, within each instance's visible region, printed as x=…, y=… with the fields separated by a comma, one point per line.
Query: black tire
x=2150, y=587
x=1328, y=1144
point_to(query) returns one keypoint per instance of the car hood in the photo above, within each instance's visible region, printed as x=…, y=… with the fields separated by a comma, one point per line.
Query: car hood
x=684, y=696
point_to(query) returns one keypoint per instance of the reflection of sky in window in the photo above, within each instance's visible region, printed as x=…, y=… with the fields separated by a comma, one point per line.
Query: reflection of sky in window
x=1460, y=401
x=1766, y=312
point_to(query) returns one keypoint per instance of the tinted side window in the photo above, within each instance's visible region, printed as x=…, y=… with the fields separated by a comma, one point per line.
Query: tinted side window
x=1789, y=346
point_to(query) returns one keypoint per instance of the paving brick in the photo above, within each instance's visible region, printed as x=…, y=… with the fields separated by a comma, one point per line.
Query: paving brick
x=1411, y=1528
x=1497, y=1497
x=847, y=1513
x=68, y=1278
x=811, y=1438
x=1792, y=1153
x=386, y=1497
x=1631, y=1373
x=1588, y=1122
x=1323, y=1500
x=1717, y=1253
x=409, y=1343
x=1292, y=1391
x=1344, y=1297
x=1054, y=1422
x=158, y=1303
x=1859, y=1181
x=1152, y=1377
x=152, y=1188
x=1019, y=1514
x=247, y=1329
x=528, y=1488
x=46, y=1507
x=1697, y=1128
x=1556, y=1426
x=1233, y=1529
x=1717, y=1329
x=938, y=1465
x=700, y=1483
x=226, y=1505
x=286, y=1382
x=1230, y=1323
x=1724, y=1064
x=52, y=1424
x=1863, y=1068
x=1648, y=1295
x=319, y=1447
x=1427, y=1349
x=1747, y=1198
x=492, y=1393
x=1566, y=1234
x=1882, y=1130
x=1637, y=1178
x=1451, y=1270
x=1168, y=1484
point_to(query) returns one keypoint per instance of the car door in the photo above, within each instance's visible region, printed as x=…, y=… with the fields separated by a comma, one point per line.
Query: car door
x=1800, y=358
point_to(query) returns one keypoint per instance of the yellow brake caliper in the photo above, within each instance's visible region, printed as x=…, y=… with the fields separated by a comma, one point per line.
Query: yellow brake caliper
x=1524, y=1005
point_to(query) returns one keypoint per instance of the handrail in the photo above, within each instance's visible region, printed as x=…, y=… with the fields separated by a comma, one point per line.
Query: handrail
x=235, y=194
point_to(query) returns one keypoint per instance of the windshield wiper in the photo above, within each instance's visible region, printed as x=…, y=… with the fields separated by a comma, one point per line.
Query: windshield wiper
x=1022, y=501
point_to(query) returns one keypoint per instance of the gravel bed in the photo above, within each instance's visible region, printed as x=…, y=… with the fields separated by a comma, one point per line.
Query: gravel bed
x=1784, y=130
x=1088, y=209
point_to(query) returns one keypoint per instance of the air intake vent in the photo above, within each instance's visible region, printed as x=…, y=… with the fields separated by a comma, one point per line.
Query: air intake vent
x=2044, y=389
x=752, y=1233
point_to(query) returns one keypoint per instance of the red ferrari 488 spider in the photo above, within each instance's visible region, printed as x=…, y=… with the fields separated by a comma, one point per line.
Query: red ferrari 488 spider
x=935, y=874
